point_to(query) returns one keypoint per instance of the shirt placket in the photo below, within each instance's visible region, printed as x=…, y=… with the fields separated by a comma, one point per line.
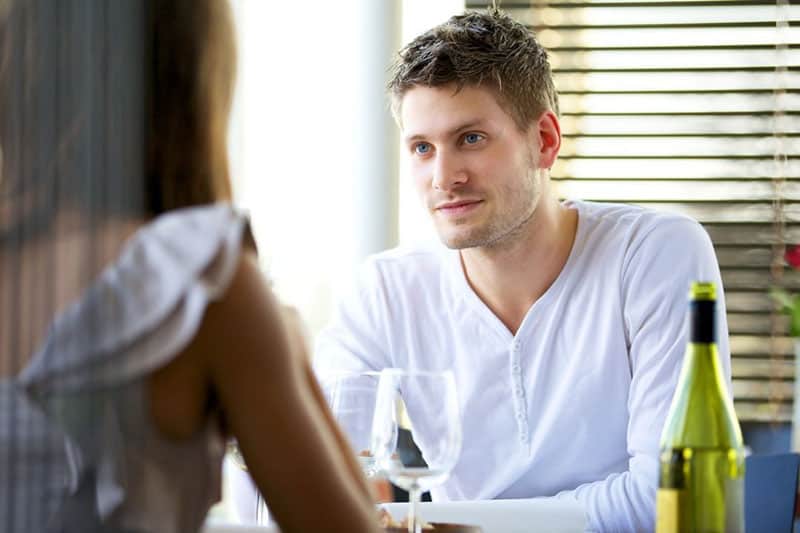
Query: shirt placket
x=518, y=393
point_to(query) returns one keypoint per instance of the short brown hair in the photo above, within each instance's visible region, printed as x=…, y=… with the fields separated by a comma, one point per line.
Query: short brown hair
x=480, y=49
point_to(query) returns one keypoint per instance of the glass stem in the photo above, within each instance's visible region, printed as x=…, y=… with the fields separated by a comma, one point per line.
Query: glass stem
x=262, y=517
x=414, y=520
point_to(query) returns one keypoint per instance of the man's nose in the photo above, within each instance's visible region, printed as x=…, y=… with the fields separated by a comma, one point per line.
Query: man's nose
x=448, y=172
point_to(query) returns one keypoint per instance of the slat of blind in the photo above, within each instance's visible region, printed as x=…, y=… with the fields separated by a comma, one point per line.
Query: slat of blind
x=590, y=15
x=749, y=256
x=754, y=346
x=763, y=368
x=758, y=411
x=676, y=103
x=670, y=58
x=671, y=168
x=749, y=235
x=528, y=4
x=671, y=105
x=730, y=211
x=754, y=389
x=747, y=302
x=659, y=81
x=660, y=146
x=759, y=34
x=731, y=34
x=677, y=190
x=671, y=47
x=754, y=279
x=756, y=324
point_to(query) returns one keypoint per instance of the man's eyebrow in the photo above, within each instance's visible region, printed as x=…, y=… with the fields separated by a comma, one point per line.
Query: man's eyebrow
x=464, y=126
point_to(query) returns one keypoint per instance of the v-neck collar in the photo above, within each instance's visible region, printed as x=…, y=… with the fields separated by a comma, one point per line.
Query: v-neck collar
x=475, y=304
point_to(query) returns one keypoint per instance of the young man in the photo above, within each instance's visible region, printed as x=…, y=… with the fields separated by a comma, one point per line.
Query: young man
x=563, y=322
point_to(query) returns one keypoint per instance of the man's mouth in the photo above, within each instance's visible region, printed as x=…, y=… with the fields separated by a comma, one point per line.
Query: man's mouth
x=458, y=208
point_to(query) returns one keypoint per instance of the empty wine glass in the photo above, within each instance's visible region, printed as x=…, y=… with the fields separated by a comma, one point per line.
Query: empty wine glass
x=351, y=397
x=426, y=404
x=261, y=512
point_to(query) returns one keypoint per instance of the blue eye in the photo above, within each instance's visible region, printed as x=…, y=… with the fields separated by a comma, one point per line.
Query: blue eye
x=472, y=138
x=422, y=148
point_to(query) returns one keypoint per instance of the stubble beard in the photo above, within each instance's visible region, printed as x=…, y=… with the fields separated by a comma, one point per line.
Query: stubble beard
x=502, y=229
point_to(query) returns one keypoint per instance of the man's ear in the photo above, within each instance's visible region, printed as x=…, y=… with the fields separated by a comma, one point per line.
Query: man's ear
x=549, y=136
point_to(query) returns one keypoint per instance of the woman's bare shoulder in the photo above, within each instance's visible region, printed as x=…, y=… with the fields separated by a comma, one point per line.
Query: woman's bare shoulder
x=241, y=333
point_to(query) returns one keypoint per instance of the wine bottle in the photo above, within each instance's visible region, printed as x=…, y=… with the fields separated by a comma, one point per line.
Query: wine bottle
x=701, y=474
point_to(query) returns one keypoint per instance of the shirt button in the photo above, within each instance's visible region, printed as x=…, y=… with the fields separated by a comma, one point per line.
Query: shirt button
x=515, y=368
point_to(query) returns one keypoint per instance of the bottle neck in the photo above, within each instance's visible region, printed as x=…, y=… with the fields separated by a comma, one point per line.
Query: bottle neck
x=702, y=358
x=702, y=320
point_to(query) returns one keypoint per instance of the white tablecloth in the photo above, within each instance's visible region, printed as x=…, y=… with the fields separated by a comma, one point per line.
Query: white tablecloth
x=232, y=528
x=504, y=516
x=495, y=516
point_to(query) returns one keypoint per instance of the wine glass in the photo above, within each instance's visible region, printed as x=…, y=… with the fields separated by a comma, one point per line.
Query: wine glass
x=424, y=403
x=261, y=514
x=351, y=398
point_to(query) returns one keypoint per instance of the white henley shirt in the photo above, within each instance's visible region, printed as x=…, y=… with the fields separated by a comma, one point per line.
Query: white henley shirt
x=574, y=403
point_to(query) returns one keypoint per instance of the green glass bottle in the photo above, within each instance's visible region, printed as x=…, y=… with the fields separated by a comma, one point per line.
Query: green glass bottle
x=701, y=474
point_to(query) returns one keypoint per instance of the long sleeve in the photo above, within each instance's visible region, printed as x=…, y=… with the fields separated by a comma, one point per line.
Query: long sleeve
x=357, y=338
x=659, y=268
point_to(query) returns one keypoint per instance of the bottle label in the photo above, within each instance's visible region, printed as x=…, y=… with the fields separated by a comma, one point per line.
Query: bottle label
x=667, y=508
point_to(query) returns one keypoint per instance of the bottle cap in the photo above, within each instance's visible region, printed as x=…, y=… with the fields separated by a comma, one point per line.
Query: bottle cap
x=703, y=290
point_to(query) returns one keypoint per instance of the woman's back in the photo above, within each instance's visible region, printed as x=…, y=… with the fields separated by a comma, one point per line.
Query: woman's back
x=76, y=429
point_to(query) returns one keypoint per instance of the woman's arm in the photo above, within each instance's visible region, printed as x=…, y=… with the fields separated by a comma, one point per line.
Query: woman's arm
x=299, y=347
x=272, y=405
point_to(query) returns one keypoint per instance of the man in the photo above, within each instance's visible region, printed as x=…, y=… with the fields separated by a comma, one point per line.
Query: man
x=563, y=322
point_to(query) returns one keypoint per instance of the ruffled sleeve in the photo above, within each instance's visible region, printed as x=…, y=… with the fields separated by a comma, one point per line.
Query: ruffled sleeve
x=88, y=376
x=143, y=309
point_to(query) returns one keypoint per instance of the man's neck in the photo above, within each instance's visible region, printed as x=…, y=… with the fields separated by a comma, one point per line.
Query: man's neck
x=511, y=276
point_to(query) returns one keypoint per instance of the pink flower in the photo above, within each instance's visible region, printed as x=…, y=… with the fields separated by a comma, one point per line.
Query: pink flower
x=792, y=256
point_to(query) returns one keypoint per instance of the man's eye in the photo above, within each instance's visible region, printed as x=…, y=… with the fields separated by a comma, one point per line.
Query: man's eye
x=472, y=138
x=422, y=148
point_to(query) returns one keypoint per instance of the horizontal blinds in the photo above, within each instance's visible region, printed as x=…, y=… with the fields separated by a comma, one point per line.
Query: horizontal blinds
x=682, y=106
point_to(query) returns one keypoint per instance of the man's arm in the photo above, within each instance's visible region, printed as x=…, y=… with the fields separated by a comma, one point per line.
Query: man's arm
x=357, y=337
x=659, y=268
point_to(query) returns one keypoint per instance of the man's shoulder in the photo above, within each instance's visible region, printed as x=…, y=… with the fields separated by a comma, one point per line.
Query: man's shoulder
x=398, y=276
x=626, y=213
x=418, y=259
x=635, y=222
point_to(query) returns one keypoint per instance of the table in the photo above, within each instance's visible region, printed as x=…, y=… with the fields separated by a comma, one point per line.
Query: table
x=494, y=516
x=532, y=515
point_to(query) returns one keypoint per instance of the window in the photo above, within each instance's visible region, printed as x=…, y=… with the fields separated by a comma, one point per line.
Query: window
x=294, y=134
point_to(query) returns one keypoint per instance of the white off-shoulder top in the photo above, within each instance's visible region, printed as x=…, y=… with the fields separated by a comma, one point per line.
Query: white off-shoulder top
x=78, y=450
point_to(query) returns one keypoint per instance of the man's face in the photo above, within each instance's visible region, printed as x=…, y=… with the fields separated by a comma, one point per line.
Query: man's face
x=473, y=168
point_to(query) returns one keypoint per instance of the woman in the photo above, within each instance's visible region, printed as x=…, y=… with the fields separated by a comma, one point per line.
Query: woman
x=136, y=331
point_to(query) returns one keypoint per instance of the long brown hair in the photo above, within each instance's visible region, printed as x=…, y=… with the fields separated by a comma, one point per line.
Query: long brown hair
x=112, y=108
x=193, y=52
